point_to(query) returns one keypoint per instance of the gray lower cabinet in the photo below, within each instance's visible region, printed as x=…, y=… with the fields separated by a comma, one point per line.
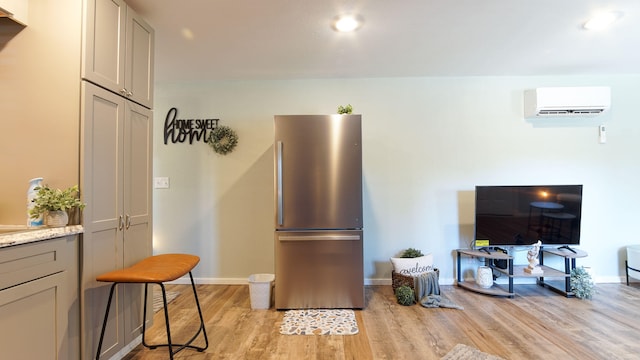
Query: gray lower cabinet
x=39, y=308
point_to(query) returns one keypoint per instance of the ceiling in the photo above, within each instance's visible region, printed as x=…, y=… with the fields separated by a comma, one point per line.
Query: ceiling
x=204, y=40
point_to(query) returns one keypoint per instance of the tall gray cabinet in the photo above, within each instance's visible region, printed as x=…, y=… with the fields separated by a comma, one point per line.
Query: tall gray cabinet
x=116, y=167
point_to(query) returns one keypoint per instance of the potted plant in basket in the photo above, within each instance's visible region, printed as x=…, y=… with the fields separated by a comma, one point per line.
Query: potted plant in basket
x=410, y=263
x=54, y=204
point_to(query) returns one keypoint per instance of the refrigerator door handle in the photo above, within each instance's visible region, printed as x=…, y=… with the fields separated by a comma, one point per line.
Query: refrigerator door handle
x=279, y=183
x=318, y=237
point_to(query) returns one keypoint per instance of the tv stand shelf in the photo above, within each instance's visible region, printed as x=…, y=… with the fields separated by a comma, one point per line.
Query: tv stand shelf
x=570, y=255
x=495, y=289
x=517, y=271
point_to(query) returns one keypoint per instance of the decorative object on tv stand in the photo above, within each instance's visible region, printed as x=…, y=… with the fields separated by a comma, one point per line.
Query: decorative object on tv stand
x=345, y=109
x=484, y=277
x=582, y=285
x=532, y=257
x=223, y=140
x=54, y=204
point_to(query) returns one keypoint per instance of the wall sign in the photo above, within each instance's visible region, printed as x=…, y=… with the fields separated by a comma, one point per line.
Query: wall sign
x=182, y=130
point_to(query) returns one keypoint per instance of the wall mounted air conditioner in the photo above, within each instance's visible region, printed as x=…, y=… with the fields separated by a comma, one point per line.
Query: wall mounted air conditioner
x=548, y=102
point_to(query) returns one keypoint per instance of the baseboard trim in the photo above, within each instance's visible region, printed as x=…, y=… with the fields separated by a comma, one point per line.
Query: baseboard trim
x=127, y=348
x=443, y=281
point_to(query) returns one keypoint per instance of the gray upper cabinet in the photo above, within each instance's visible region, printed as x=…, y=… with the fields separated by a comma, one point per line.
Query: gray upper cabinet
x=118, y=48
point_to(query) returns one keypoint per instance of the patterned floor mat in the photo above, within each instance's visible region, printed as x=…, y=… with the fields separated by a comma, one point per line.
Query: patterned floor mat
x=319, y=322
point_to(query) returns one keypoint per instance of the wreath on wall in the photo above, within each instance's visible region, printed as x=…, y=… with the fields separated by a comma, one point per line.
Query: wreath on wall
x=223, y=140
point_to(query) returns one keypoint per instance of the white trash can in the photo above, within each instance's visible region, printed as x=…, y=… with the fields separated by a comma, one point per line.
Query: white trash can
x=260, y=290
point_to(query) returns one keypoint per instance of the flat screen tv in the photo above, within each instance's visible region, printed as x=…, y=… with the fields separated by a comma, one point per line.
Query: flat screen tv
x=522, y=215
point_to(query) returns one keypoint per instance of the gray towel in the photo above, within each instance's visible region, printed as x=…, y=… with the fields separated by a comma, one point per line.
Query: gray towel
x=427, y=291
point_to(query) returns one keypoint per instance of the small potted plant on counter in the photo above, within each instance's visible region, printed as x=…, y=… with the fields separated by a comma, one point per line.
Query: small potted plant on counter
x=54, y=204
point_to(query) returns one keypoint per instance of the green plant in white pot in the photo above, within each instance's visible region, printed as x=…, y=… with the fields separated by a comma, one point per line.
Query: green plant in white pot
x=54, y=204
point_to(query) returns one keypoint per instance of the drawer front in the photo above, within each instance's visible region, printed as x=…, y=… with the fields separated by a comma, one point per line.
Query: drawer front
x=22, y=263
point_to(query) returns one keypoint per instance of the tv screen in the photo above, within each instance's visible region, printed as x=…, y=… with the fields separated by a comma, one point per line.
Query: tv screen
x=522, y=215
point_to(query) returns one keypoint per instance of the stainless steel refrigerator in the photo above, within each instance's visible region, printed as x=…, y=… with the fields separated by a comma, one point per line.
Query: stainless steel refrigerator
x=318, y=208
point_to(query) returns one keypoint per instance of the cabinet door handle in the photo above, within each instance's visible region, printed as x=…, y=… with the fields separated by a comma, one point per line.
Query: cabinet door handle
x=128, y=221
x=123, y=92
x=129, y=94
x=120, y=223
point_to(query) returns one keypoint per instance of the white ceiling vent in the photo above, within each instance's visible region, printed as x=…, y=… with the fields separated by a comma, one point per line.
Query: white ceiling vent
x=566, y=102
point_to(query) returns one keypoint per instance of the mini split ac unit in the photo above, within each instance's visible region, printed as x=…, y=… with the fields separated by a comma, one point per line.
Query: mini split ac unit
x=566, y=101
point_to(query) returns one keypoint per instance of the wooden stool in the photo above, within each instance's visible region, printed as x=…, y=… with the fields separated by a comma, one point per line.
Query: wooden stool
x=156, y=270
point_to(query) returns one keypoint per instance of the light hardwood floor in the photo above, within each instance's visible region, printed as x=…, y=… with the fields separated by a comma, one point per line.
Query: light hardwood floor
x=536, y=324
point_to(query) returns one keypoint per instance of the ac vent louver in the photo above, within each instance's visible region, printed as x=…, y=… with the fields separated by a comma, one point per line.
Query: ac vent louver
x=571, y=112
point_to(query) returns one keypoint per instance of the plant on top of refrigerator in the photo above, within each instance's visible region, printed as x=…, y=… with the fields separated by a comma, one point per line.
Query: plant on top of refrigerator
x=345, y=109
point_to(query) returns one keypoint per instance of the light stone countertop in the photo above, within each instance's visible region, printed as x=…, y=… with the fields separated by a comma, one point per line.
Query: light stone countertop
x=29, y=235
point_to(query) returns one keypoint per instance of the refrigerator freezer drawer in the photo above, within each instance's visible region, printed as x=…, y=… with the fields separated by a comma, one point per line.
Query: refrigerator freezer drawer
x=322, y=270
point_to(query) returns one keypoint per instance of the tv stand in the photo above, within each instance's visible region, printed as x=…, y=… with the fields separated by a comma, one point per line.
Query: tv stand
x=566, y=247
x=570, y=256
x=562, y=283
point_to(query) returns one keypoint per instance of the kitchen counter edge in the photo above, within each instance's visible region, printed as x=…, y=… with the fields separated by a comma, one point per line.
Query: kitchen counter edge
x=33, y=235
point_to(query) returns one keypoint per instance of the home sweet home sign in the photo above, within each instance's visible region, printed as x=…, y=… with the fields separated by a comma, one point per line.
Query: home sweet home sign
x=182, y=130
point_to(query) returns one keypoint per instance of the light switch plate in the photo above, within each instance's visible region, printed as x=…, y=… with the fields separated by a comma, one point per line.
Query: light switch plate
x=161, y=183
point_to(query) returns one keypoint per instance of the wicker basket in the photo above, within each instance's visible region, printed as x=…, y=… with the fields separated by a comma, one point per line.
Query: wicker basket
x=398, y=280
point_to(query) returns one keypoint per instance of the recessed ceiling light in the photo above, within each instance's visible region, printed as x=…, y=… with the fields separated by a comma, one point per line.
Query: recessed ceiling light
x=602, y=20
x=347, y=23
x=187, y=33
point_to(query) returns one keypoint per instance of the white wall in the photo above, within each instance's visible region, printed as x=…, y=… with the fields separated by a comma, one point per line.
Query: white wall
x=426, y=141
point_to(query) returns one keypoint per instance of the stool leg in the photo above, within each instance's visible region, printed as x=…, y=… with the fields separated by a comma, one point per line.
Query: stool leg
x=166, y=320
x=144, y=316
x=104, y=323
x=202, y=327
x=180, y=347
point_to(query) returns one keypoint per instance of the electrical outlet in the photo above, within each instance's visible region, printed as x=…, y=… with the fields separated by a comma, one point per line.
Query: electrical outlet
x=161, y=183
